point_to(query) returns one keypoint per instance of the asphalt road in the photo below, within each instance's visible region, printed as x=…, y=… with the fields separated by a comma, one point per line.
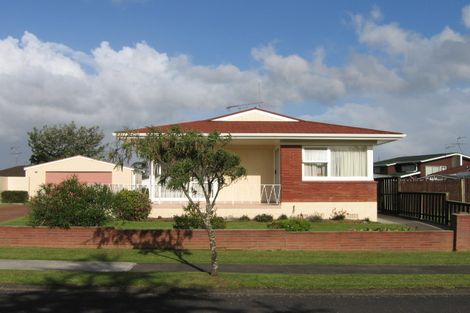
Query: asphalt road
x=175, y=300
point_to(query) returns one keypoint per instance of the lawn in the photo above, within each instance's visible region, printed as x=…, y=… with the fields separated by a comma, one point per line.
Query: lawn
x=239, y=256
x=234, y=280
x=325, y=225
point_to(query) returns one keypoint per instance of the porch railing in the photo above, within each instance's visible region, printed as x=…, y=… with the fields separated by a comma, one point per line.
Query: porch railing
x=237, y=193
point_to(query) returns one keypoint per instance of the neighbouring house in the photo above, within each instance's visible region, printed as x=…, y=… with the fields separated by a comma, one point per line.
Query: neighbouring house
x=293, y=167
x=13, y=178
x=458, y=172
x=419, y=165
x=86, y=169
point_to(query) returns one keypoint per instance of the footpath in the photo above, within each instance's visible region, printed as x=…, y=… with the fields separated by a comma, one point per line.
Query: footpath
x=96, y=266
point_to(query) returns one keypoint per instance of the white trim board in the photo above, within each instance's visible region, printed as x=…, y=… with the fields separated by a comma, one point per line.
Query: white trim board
x=74, y=157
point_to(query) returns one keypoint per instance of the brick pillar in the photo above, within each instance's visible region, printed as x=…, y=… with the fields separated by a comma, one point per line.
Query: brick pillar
x=461, y=226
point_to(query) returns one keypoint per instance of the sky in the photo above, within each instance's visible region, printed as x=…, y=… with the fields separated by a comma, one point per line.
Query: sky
x=392, y=65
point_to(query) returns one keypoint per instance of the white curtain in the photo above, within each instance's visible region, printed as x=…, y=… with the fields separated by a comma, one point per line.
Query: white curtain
x=315, y=155
x=315, y=162
x=348, y=161
x=315, y=169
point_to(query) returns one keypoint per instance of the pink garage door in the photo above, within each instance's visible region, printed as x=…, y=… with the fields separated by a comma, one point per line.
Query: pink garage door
x=85, y=177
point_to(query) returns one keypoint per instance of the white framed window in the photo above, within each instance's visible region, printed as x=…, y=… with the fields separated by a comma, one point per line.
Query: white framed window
x=431, y=169
x=336, y=163
x=315, y=162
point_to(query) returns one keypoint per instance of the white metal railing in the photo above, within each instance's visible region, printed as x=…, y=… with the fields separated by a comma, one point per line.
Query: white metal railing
x=161, y=193
x=119, y=187
x=235, y=194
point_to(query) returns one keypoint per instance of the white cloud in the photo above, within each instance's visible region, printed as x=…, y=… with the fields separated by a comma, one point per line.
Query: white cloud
x=402, y=80
x=466, y=16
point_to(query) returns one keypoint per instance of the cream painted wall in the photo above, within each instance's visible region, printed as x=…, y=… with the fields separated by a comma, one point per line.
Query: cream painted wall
x=254, y=116
x=259, y=164
x=13, y=183
x=18, y=183
x=3, y=183
x=355, y=210
x=36, y=175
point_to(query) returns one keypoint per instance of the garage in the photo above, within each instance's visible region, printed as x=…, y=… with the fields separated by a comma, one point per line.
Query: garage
x=87, y=170
x=84, y=177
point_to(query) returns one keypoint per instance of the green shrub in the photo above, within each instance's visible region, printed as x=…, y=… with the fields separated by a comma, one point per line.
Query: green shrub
x=338, y=215
x=187, y=222
x=192, y=219
x=315, y=218
x=244, y=218
x=263, y=218
x=71, y=203
x=218, y=222
x=291, y=224
x=282, y=217
x=14, y=196
x=131, y=205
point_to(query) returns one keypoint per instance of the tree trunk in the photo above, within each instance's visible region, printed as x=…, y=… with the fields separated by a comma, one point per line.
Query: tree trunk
x=212, y=241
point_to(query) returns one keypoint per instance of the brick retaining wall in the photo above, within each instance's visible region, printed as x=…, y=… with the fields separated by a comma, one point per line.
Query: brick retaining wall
x=461, y=224
x=229, y=239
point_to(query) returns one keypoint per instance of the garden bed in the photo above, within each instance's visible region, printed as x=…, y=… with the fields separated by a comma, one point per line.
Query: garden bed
x=323, y=225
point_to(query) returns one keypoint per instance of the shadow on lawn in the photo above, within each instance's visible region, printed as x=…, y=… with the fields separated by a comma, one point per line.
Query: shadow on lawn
x=149, y=242
x=74, y=300
x=116, y=292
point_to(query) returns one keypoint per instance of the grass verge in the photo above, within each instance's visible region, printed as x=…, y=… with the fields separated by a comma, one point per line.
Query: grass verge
x=234, y=280
x=239, y=256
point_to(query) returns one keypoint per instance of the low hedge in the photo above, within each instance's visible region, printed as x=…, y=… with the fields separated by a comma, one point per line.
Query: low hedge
x=14, y=196
x=131, y=205
x=291, y=224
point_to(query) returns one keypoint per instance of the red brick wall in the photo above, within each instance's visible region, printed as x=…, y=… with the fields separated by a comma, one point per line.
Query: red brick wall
x=450, y=162
x=228, y=239
x=296, y=190
x=461, y=225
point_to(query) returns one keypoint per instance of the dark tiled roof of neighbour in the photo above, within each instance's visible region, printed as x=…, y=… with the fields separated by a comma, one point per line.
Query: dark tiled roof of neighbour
x=411, y=158
x=287, y=127
x=16, y=171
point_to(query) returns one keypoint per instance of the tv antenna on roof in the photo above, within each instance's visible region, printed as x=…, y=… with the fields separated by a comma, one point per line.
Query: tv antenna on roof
x=457, y=144
x=245, y=105
x=242, y=106
x=14, y=150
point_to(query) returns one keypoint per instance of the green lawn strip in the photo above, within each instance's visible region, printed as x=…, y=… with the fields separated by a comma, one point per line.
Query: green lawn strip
x=325, y=225
x=19, y=221
x=239, y=256
x=235, y=280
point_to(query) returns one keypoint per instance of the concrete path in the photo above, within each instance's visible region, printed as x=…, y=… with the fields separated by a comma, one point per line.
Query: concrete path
x=90, y=266
x=94, y=266
x=392, y=219
x=11, y=211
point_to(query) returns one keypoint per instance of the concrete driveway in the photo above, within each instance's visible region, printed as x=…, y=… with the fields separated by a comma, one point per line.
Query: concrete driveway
x=12, y=211
x=392, y=219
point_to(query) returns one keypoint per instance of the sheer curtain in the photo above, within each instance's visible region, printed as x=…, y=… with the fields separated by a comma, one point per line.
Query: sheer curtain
x=348, y=161
x=315, y=162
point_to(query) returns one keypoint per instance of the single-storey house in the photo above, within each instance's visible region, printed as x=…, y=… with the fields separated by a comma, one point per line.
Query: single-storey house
x=86, y=169
x=418, y=166
x=293, y=166
x=13, y=178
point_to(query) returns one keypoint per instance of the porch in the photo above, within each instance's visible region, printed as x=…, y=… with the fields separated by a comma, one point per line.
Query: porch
x=261, y=185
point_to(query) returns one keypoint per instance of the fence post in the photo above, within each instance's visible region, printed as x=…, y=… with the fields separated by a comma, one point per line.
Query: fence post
x=421, y=205
x=398, y=203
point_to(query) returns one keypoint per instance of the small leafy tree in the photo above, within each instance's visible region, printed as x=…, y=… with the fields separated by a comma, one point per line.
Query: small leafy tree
x=185, y=157
x=62, y=141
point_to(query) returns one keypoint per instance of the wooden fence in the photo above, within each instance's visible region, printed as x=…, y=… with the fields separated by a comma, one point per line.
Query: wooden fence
x=458, y=189
x=434, y=207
